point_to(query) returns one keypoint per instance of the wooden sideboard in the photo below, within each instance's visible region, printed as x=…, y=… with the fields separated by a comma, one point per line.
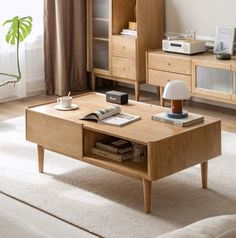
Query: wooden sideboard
x=205, y=76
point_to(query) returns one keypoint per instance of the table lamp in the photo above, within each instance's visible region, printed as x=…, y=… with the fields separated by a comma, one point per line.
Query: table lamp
x=176, y=91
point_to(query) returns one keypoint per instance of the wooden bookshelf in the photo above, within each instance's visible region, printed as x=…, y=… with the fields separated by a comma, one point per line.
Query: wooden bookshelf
x=110, y=17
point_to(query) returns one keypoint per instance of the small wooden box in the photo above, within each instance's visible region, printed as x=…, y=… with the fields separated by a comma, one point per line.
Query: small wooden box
x=133, y=26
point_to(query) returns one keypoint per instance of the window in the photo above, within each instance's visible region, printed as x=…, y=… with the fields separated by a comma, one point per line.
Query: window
x=31, y=50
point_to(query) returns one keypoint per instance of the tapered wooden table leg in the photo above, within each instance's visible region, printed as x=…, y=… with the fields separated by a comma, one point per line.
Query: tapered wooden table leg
x=40, y=158
x=114, y=84
x=158, y=91
x=204, y=170
x=137, y=89
x=93, y=82
x=162, y=100
x=147, y=188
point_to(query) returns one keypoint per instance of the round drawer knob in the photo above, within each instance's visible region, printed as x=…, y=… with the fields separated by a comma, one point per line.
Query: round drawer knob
x=169, y=64
x=124, y=69
x=124, y=48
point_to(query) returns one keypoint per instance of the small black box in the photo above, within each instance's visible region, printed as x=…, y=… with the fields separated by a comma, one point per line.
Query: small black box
x=117, y=97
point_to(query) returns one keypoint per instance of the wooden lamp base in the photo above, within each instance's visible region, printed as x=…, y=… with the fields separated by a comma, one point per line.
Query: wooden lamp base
x=177, y=110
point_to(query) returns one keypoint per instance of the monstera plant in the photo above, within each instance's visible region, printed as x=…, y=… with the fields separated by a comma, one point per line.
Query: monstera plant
x=19, y=29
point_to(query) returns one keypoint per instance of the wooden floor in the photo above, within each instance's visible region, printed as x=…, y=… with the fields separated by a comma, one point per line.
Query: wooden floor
x=16, y=108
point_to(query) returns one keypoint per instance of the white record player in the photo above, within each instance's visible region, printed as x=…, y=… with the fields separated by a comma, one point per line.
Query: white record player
x=184, y=46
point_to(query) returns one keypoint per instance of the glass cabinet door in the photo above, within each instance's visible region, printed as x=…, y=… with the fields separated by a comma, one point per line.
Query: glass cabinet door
x=214, y=79
x=100, y=34
x=213, y=83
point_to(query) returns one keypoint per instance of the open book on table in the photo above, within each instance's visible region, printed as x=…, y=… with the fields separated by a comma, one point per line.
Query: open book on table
x=111, y=115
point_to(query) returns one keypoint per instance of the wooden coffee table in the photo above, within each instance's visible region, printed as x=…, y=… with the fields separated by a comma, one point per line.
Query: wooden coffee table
x=170, y=149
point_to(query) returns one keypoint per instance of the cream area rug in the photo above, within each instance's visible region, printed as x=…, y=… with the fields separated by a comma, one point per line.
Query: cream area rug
x=108, y=204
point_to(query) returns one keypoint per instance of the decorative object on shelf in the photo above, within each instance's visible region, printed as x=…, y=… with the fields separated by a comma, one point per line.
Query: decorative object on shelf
x=19, y=29
x=176, y=91
x=223, y=56
x=224, y=42
x=133, y=26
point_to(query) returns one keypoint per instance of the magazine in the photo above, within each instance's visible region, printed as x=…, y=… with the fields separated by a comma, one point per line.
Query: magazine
x=112, y=116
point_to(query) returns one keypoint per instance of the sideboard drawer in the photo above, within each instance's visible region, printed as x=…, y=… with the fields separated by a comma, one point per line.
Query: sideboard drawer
x=55, y=134
x=160, y=78
x=172, y=64
x=123, y=68
x=124, y=46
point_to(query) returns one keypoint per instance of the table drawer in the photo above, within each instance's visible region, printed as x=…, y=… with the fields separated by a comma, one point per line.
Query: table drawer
x=161, y=78
x=169, y=63
x=124, y=68
x=55, y=134
x=124, y=46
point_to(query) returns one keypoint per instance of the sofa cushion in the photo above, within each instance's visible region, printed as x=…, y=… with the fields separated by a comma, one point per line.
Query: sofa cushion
x=214, y=227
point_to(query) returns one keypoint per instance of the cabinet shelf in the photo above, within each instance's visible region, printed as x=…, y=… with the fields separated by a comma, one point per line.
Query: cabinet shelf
x=101, y=38
x=130, y=168
x=100, y=19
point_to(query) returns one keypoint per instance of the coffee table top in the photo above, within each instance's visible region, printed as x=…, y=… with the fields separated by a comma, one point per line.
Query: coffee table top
x=143, y=131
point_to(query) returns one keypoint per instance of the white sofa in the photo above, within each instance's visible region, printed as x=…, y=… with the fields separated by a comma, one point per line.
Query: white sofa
x=13, y=227
x=214, y=227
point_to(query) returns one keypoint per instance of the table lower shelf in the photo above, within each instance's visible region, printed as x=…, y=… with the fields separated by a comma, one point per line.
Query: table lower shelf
x=128, y=168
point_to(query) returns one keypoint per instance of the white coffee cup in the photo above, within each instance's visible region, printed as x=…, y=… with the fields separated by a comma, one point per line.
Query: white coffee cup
x=65, y=102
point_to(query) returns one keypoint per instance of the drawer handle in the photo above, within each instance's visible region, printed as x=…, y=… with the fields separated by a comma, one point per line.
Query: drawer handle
x=124, y=48
x=169, y=63
x=124, y=69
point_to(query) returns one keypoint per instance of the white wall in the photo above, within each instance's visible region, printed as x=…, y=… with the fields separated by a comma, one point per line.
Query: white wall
x=200, y=15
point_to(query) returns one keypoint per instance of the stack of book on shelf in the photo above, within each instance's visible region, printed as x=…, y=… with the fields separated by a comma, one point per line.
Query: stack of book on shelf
x=116, y=149
x=128, y=32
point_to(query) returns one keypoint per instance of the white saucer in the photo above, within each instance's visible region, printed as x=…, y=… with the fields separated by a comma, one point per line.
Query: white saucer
x=73, y=107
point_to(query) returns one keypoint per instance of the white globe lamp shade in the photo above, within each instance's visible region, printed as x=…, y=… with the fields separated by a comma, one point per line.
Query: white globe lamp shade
x=176, y=90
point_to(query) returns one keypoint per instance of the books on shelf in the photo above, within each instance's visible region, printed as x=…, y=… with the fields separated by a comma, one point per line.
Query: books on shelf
x=114, y=145
x=114, y=149
x=183, y=122
x=119, y=150
x=113, y=156
x=128, y=32
x=111, y=115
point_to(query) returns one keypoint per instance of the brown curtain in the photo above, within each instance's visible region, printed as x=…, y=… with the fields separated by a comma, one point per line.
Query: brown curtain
x=65, y=46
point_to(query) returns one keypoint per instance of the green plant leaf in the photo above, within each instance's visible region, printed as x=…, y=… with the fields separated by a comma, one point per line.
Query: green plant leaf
x=19, y=29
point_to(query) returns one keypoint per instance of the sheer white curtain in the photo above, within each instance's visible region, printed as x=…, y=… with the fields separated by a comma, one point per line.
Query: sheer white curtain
x=31, y=51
